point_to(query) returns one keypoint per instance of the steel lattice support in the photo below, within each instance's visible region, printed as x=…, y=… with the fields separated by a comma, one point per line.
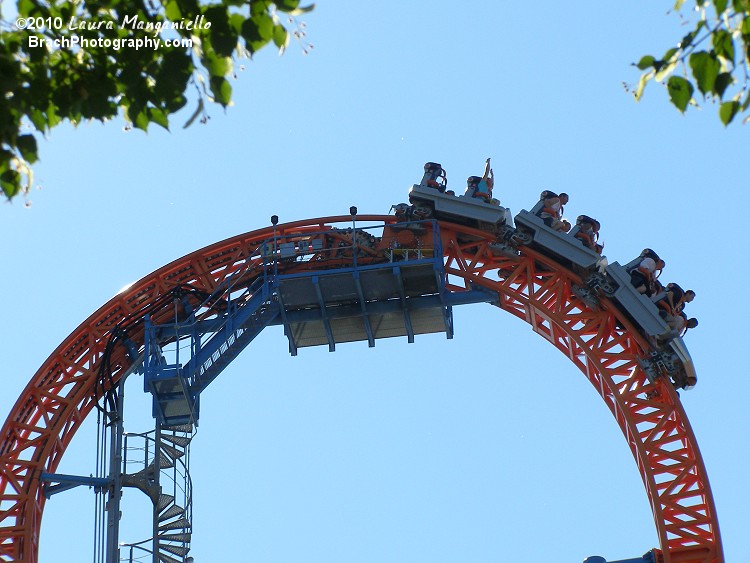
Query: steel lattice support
x=598, y=340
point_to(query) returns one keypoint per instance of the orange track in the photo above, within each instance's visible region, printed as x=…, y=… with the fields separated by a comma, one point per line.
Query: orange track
x=601, y=343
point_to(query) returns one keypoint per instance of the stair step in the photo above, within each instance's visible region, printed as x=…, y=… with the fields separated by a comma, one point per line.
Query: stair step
x=179, y=524
x=176, y=549
x=171, y=512
x=171, y=452
x=183, y=537
x=164, y=501
x=164, y=462
x=163, y=558
x=188, y=428
x=180, y=441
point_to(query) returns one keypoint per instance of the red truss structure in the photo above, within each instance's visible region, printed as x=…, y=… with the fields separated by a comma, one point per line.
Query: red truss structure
x=599, y=340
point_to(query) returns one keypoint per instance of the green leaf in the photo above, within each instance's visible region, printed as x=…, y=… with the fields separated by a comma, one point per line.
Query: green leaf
x=254, y=37
x=5, y=157
x=669, y=54
x=172, y=10
x=173, y=75
x=175, y=103
x=265, y=24
x=221, y=89
x=286, y=5
x=720, y=6
x=158, y=116
x=723, y=81
x=706, y=68
x=680, y=92
x=259, y=7
x=216, y=65
x=142, y=121
x=280, y=36
x=678, y=4
x=223, y=36
x=37, y=118
x=52, y=117
x=727, y=111
x=138, y=117
x=25, y=7
x=724, y=45
x=10, y=180
x=235, y=22
x=646, y=62
x=27, y=146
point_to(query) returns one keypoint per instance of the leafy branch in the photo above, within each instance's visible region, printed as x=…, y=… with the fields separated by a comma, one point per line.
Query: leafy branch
x=138, y=60
x=718, y=68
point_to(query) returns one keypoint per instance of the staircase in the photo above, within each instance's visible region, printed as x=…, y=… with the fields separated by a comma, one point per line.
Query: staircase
x=176, y=385
x=243, y=324
x=164, y=453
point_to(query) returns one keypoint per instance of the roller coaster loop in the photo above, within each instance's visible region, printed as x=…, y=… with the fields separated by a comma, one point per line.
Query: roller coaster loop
x=599, y=339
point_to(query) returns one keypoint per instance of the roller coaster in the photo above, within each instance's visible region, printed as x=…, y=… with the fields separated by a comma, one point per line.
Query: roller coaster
x=340, y=279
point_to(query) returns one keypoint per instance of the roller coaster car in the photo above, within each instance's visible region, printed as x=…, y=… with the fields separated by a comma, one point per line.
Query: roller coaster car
x=562, y=246
x=461, y=209
x=642, y=311
x=638, y=306
x=465, y=209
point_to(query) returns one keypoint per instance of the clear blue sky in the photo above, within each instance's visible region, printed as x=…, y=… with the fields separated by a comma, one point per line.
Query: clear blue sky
x=489, y=448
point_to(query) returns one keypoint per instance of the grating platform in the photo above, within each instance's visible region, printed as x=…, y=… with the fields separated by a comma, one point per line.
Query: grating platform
x=366, y=303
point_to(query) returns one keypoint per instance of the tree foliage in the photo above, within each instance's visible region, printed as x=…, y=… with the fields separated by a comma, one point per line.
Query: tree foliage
x=712, y=58
x=79, y=60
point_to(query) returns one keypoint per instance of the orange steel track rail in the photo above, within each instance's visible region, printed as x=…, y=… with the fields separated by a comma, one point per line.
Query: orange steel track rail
x=600, y=342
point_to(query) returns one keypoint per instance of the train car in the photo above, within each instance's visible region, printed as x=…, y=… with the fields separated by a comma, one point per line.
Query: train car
x=431, y=198
x=675, y=359
x=639, y=307
x=565, y=247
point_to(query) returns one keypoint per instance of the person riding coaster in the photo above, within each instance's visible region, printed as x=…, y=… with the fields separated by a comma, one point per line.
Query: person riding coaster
x=588, y=233
x=644, y=275
x=671, y=305
x=552, y=210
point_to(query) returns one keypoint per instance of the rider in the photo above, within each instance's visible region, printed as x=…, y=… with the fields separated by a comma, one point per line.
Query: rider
x=588, y=233
x=644, y=275
x=485, y=185
x=672, y=304
x=552, y=210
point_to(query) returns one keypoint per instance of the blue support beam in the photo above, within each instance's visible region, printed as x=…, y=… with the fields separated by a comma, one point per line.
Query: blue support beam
x=324, y=314
x=58, y=482
x=365, y=315
x=402, y=296
x=649, y=557
x=287, y=327
x=451, y=299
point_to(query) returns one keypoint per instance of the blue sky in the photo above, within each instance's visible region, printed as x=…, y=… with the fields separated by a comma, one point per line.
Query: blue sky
x=488, y=447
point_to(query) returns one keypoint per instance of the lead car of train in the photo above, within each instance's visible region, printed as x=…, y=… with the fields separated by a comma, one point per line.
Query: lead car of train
x=431, y=198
